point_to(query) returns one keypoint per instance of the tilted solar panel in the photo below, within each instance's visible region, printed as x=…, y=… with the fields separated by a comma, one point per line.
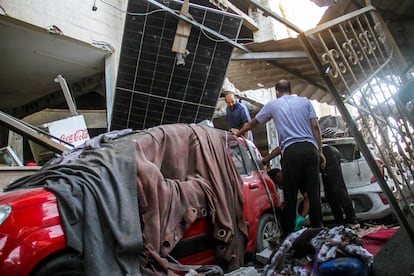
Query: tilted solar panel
x=152, y=88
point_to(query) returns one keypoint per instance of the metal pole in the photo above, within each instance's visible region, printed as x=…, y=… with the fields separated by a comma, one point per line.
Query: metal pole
x=279, y=18
x=66, y=93
x=23, y=129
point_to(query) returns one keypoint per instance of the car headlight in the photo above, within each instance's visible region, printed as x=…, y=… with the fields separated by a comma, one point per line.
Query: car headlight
x=5, y=211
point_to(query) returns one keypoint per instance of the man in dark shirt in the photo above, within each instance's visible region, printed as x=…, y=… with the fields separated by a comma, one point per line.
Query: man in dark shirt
x=237, y=114
x=335, y=189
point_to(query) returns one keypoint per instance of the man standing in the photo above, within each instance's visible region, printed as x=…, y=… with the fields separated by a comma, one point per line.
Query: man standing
x=237, y=114
x=277, y=177
x=335, y=189
x=302, y=157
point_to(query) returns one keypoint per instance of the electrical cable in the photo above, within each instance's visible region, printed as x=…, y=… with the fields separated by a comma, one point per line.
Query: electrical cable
x=94, y=8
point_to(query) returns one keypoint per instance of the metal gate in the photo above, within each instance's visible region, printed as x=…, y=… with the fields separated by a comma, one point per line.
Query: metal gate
x=373, y=89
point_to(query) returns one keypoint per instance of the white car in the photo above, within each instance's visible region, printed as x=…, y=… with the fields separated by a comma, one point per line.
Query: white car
x=368, y=199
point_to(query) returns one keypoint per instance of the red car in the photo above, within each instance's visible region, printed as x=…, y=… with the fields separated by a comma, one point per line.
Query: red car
x=32, y=233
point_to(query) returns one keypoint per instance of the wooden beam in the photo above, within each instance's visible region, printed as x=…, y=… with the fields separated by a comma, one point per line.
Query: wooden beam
x=183, y=31
x=248, y=22
x=269, y=55
x=298, y=75
x=268, y=12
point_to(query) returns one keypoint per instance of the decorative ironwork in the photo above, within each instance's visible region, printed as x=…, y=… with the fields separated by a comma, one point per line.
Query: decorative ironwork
x=354, y=55
x=367, y=77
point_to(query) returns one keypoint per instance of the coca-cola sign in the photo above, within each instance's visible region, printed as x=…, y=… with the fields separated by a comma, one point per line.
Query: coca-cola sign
x=72, y=130
x=77, y=136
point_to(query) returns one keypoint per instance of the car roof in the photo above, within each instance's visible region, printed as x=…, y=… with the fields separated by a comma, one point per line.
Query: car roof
x=339, y=141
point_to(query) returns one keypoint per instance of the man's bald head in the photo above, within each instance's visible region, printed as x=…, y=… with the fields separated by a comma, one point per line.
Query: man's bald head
x=230, y=99
x=283, y=86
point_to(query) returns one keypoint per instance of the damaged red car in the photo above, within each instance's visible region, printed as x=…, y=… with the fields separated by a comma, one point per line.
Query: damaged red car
x=140, y=202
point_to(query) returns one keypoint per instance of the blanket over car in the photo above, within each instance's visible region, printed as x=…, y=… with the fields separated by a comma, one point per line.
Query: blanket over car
x=126, y=194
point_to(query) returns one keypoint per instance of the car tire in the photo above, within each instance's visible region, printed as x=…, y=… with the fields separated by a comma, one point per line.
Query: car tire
x=67, y=264
x=267, y=231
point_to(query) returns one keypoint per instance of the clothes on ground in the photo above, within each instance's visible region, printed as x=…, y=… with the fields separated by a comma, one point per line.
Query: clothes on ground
x=303, y=251
x=376, y=238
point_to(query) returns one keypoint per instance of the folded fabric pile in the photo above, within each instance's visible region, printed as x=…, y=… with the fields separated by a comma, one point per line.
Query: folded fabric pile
x=303, y=251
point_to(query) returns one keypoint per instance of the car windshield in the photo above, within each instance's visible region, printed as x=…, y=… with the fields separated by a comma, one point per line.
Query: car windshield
x=349, y=152
x=247, y=159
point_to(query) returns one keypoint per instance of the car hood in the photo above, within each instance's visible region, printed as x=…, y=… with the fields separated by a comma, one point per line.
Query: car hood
x=22, y=198
x=371, y=188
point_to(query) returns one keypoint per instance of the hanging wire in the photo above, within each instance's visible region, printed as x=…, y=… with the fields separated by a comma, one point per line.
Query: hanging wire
x=161, y=10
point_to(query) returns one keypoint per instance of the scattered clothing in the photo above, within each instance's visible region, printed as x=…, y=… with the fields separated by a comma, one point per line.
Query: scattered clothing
x=374, y=240
x=305, y=249
x=342, y=240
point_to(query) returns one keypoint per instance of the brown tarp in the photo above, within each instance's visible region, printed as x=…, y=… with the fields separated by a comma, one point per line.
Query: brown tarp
x=180, y=170
x=181, y=167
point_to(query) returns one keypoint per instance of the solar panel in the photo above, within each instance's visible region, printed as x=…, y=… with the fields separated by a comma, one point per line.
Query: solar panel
x=152, y=88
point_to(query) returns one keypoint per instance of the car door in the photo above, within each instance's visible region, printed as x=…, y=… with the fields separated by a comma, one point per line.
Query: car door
x=258, y=191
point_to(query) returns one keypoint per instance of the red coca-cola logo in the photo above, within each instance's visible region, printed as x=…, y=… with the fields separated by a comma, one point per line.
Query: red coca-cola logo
x=78, y=135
